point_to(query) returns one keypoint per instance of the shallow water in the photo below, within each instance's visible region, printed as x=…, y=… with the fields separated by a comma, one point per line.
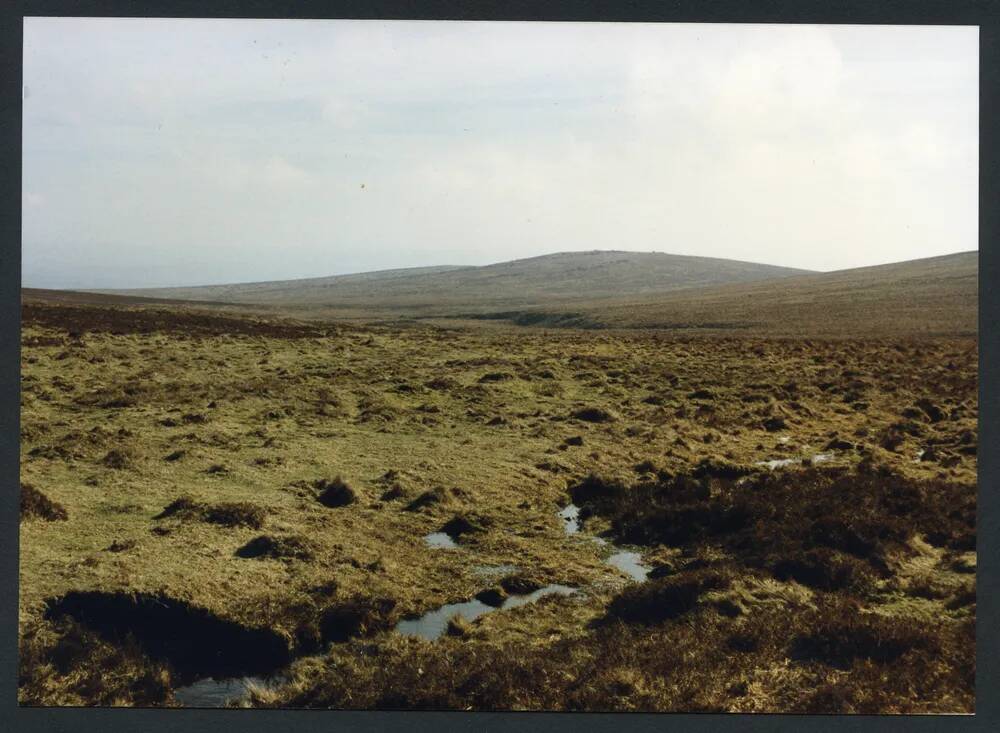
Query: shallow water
x=570, y=515
x=434, y=623
x=778, y=462
x=625, y=560
x=782, y=462
x=213, y=693
x=629, y=563
x=440, y=539
x=493, y=571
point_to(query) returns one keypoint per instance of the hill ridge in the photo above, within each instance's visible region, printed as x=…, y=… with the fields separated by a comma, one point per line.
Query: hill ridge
x=532, y=280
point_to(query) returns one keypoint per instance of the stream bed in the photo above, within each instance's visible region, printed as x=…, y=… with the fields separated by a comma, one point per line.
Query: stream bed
x=213, y=693
x=628, y=561
x=441, y=540
x=782, y=462
x=434, y=624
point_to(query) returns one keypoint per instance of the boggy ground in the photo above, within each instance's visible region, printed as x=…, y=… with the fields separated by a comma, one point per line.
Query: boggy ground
x=227, y=496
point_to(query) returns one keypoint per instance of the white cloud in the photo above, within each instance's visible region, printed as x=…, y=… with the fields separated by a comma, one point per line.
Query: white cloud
x=345, y=112
x=276, y=171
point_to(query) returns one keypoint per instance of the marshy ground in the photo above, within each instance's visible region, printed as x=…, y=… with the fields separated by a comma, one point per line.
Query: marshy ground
x=205, y=495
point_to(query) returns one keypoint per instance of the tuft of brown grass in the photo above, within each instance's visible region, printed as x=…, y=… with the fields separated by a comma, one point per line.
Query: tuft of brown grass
x=335, y=493
x=228, y=514
x=267, y=546
x=36, y=505
x=357, y=617
x=827, y=528
x=68, y=664
x=709, y=662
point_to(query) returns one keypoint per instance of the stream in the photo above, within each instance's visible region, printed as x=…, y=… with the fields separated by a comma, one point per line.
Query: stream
x=214, y=693
x=782, y=462
x=434, y=624
x=628, y=561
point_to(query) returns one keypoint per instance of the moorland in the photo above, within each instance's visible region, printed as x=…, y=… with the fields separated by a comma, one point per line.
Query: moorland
x=755, y=492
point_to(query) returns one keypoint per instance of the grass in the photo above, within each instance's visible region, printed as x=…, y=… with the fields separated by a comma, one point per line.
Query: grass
x=225, y=431
x=36, y=505
x=824, y=660
x=66, y=663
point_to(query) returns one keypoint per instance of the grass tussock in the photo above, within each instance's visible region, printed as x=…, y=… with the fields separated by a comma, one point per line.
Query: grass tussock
x=227, y=514
x=831, y=659
x=826, y=528
x=119, y=458
x=432, y=497
x=666, y=598
x=69, y=664
x=36, y=505
x=277, y=548
x=357, y=617
x=595, y=415
x=335, y=493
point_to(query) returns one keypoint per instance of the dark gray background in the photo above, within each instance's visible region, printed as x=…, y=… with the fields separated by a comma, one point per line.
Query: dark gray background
x=966, y=12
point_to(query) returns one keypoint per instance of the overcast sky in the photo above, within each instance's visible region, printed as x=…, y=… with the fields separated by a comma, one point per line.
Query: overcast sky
x=172, y=152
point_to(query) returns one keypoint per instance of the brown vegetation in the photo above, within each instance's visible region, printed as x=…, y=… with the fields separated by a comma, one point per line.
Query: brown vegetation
x=35, y=504
x=824, y=565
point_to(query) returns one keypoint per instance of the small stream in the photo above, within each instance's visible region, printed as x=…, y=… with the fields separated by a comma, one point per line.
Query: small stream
x=570, y=514
x=628, y=561
x=213, y=693
x=434, y=624
x=782, y=462
x=441, y=540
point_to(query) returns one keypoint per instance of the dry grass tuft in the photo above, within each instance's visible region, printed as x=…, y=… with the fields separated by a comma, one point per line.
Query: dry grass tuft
x=335, y=493
x=228, y=514
x=36, y=505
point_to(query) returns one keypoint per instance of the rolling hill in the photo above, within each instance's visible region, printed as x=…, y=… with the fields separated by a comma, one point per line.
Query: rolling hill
x=567, y=276
x=935, y=295
x=931, y=296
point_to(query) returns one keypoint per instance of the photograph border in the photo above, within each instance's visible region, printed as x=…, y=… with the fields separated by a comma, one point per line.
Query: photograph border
x=983, y=13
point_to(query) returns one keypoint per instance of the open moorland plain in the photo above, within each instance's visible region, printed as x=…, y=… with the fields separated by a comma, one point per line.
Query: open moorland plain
x=687, y=505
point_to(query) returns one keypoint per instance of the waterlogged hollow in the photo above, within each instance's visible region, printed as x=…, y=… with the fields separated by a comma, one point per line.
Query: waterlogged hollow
x=494, y=571
x=210, y=692
x=570, y=514
x=195, y=642
x=434, y=623
x=627, y=561
x=779, y=462
x=215, y=693
x=217, y=658
x=782, y=462
x=440, y=540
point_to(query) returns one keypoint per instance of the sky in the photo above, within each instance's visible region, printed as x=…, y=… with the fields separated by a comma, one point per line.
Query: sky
x=161, y=152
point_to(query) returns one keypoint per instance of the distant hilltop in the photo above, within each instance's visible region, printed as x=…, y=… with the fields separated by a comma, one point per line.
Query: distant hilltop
x=613, y=289
x=531, y=281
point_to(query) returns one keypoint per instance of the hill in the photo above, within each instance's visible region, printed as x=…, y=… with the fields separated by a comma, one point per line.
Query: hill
x=936, y=295
x=932, y=296
x=567, y=276
x=94, y=297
